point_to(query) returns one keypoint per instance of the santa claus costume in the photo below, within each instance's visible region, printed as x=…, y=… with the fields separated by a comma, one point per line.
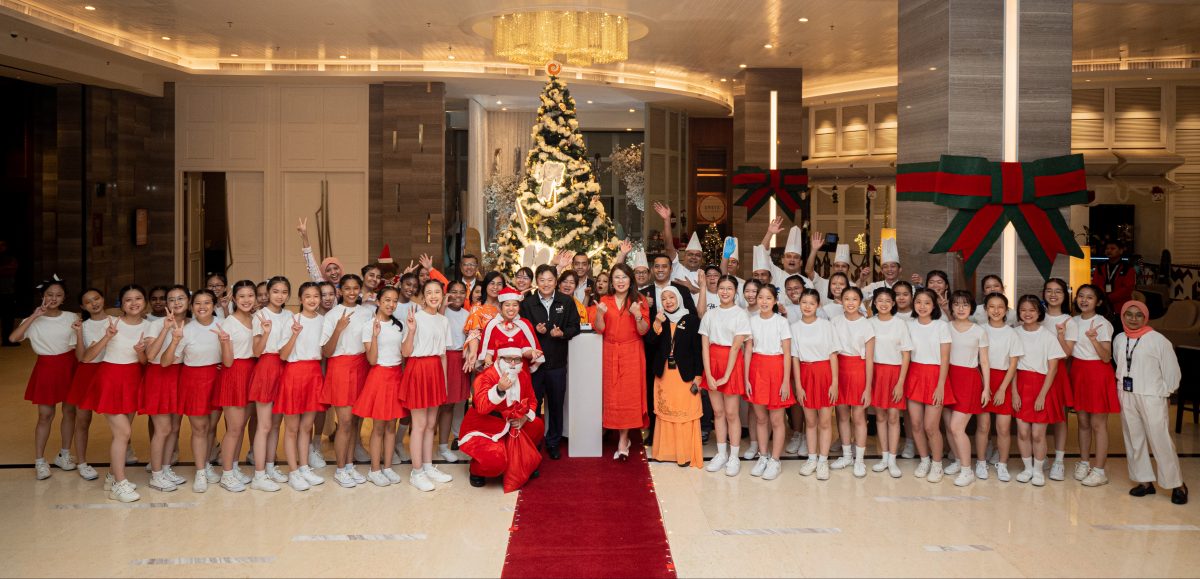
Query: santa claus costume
x=501, y=433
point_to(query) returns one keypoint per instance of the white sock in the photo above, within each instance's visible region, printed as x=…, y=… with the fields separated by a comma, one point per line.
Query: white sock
x=721, y=447
x=924, y=460
x=1028, y=460
x=444, y=447
x=260, y=473
x=979, y=462
x=156, y=473
x=891, y=460
x=427, y=466
x=1037, y=465
x=64, y=452
x=226, y=473
x=1099, y=470
x=39, y=461
x=884, y=457
x=846, y=450
x=859, y=451
x=812, y=456
x=270, y=465
x=753, y=445
x=822, y=458
x=733, y=451
x=1058, y=455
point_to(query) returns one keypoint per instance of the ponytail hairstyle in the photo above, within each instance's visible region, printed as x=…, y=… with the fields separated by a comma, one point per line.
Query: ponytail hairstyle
x=884, y=291
x=842, y=274
x=1036, y=301
x=83, y=312
x=241, y=284
x=279, y=279
x=936, y=314
x=811, y=293
x=395, y=290
x=53, y=281
x=1102, y=305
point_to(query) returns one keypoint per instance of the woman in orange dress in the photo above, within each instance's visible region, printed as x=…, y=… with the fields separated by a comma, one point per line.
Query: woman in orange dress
x=481, y=314
x=622, y=318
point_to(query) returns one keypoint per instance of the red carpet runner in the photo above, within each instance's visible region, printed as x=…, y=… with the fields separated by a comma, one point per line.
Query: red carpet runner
x=589, y=517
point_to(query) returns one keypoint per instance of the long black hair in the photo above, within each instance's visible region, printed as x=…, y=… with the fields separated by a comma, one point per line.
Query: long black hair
x=396, y=291
x=936, y=314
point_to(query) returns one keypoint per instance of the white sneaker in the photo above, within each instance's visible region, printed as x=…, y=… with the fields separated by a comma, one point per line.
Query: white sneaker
x=200, y=484
x=241, y=476
x=953, y=467
x=211, y=474
x=87, y=472
x=935, y=472
x=42, y=470
x=981, y=470
x=760, y=466
x=311, y=477
x=418, y=479
x=733, y=466
x=793, y=445
x=1025, y=476
x=276, y=476
x=922, y=468
x=123, y=492
x=909, y=450
x=803, y=450
x=809, y=467
x=378, y=479
x=436, y=475
x=449, y=455
x=297, y=482
x=716, y=462
x=1039, y=479
x=880, y=466
x=263, y=482
x=170, y=475
x=1002, y=472
x=860, y=469
x=823, y=470
x=1082, y=468
x=360, y=453
x=359, y=479
x=315, y=459
x=773, y=469
x=392, y=476
x=965, y=477
x=842, y=462
x=1095, y=479
x=1058, y=471
x=343, y=478
x=894, y=470
x=160, y=482
x=64, y=461
x=130, y=457
x=751, y=452
x=231, y=483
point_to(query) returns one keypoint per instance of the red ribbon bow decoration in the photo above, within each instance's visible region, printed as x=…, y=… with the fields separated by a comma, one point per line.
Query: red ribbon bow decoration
x=991, y=195
x=760, y=184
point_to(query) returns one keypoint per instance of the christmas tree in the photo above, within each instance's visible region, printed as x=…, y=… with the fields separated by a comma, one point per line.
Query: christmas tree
x=558, y=203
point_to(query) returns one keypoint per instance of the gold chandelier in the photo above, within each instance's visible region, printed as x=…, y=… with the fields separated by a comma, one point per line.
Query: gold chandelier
x=583, y=37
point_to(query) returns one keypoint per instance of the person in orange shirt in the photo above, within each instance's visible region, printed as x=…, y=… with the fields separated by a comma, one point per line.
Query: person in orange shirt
x=623, y=317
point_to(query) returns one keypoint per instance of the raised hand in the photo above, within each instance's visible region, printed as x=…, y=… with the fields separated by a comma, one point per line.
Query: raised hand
x=176, y=329
x=637, y=313
x=556, y=332
x=140, y=345
x=111, y=330
x=222, y=335
x=412, y=320
x=1091, y=331
x=916, y=279
x=376, y=328
x=344, y=320
x=661, y=318
x=37, y=313
x=775, y=226
x=864, y=275
x=77, y=325
x=426, y=261
x=505, y=382
x=626, y=246
x=601, y=308
x=541, y=328
x=296, y=325
x=411, y=266
x=564, y=258
x=265, y=322
x=662, y=211
x=1061, y=327
x=685, y=282
x=817, y=238
x=302, y=227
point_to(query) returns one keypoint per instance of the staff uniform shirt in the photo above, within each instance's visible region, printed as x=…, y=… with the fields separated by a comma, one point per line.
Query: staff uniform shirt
x=980, y=316
x=348, y=343
x=433, y=335
x=152, y=331
x=1155, y=369
x=722, y=325
x=779, y=277
x=891, y=340
x=813, y=342
x=200, y=345
x=927, y=340
x=1003, y=345
x=869, y=291
x=241, y=338
x=853, y=336
x=678, y=271
x=1084, y=350
x=964, y=346
x=281, y=328
x=1040, y=346
x=120, y=348
x=51, y=336
x=93, y=331
x=769, y=334
x=308, y=342
x=391, y=337
x=457, y=319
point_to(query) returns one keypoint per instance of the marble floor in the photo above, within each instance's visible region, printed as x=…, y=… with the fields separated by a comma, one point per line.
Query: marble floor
x=717, y=526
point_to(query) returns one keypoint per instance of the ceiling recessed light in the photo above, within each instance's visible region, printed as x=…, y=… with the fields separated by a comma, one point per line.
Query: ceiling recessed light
x=1087, y=80
x=768, y=45
x=89, y=7
x=724, y=80
x=741, y=66
x=233, y=54
x=933, y=68
x=654, y=72
x=589, y=102
x=1149, y=78
x=627, y=129
x=451, y=57
x=499, y=102
x=342, y=56
x=166, y=38
x=504, y=108
x=633, y=110
x=803, y=20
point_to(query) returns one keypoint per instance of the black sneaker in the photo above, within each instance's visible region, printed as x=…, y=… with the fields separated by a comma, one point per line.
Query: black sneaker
x=478, y=481
x=553, y=452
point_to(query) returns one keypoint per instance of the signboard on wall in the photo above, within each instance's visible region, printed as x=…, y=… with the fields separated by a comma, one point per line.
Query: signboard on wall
x=711, y=207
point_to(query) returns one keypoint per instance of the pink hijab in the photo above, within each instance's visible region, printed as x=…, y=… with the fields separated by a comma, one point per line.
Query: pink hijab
x=1142, y=331
x=328, y=260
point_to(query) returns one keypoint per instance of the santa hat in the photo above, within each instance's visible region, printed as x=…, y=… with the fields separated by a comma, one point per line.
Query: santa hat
x=508, y=353
x=638, y=259
x=385, y=255
x=694, y=243
x=843, y=254
x=508, y=295
x=795, y=241
x=762, y=261
x=891, y=254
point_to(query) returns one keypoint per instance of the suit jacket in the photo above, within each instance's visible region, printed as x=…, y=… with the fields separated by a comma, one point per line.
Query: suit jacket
x=688, y=302
x=563, y=315
x=688, y=347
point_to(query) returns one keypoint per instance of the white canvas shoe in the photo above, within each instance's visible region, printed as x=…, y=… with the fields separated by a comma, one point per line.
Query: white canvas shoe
x=378, y=479
x=297, y=482
x=263, y=482
x=170, y=474
x=981, y=470
x=751, y=452
x=231, y=483
x=450, y=456
x=733, y=466
x=1058, y=471
x=842, y=462
x=392, y=476
x=311, y=477
x=909, y=450
x=935, y=472
x=823, y=470
x=965, y=477
x=717, y=462
x=418, y=479
x=1082, y=468
x=860, y=469
x=343, y=479
x=809, y=467
x=773, y=469
x=1025, y=476
x=436, y=475
x=880, y=466
x=87, y=472
x=315, y=459
x=1002, y=472
x=41, y=470
x=922, y=468
x=953, y=467
x=1095, y=479
x=211, y=474
x=123, y=492
x=200, y=484
x=793, y=445
x=64, y=461
x=276, y=476
x=760, y=466
x=1038, y=479
x=894, y=469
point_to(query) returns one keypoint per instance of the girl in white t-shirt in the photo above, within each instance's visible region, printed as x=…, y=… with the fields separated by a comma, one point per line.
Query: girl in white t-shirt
x=1033, y=399
x=723, y=331
x=300, y=387
x=832, y=301
x=814, y=372
x=991, y=284
x=345, y=373
x=160, y=391
x=768, y=363
x=1004, y=351
x=856, y=362
x=893, y=349
x=88, y=331
x=198, y=343
x=925, y=385
x=458, y=375
x=1056, y=295
x=748, y=298
x=49, y=330
x=238, y=332
x=423, y=386
x=968, y=379
x=904, y=294
x=275, y=324
x=380, y=397
x=1093, y=383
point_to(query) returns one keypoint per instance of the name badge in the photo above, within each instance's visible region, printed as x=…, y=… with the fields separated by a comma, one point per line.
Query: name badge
x=1127, y=384
x=1108, y=288
x=558, y=310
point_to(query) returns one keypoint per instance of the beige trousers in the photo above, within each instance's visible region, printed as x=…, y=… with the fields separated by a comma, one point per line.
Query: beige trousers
x=1145, y=419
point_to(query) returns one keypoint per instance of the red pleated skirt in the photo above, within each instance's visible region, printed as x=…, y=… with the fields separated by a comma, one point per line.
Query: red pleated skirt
x=458, y=383
x=852, y=380
x=50, y=381
x=114, y=389
x=300, y=388
x=967, y=386
x=264, y=383
x=196, y=386
x=423, y=384
x=380, y=398
x=1095, y=387
x=885, y=379
x=766, y=381
x=718, y=360
x=997, y=378
x=344, y=379
x=1062, y=385
x=816, y=378
x=921, y=383
x=160, y=390
x=81, y=382
x=1029, y=384
x=233, y=387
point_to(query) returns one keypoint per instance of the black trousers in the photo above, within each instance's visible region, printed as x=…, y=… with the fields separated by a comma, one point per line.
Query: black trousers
x=550, y=386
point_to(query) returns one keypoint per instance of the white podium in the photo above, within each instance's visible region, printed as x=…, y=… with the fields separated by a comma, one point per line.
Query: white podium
x=585, y=403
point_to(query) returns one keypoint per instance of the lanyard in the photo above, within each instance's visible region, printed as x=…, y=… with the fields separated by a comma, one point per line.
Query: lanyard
x=1129, y=354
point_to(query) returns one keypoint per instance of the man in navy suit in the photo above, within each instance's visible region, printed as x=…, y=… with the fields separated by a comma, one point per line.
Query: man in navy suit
x=555, y=319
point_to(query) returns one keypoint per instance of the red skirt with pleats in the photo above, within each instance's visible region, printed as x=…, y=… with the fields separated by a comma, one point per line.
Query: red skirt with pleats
x=1005, y=408
x=967, y=386
x=300, y=388
x=264, y=384
x=380, y=399
x=50, y=381
x=81, y=382
x=816, y=378
x=458, y=383
x=885, y=379
x=114, y=389
x=196, y=386
x=852, y=380
x=718, y=360
x=233, y=388
x=160, y=390
x=1095, y=387
x=345, y=377
x=921, y=384
x=766, y=381
x=1029, y=384
x=423, y=384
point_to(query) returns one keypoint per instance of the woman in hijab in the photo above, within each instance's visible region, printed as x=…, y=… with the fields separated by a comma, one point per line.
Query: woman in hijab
x=1147, y=373
x=678, y=369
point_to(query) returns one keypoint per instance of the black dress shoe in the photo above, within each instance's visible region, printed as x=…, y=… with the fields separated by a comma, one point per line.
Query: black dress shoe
x=478, y=481
x=553, y=452
x=1142, y=490
x=1179, y=495
x=534, y=475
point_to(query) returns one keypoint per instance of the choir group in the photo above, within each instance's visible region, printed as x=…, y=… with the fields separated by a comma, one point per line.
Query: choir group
x=690, y=352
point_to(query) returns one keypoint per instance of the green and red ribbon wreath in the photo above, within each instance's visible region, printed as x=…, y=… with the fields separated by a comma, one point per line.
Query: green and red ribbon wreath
x=785, y=185
x=991, y=195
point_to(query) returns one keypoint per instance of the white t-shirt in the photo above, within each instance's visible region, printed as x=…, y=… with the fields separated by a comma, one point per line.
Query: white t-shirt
x=93, y=331
x=1070, y=331
x=779, y=277
x=433, y=335
x=853, y=336
x=1003, y=345
x=152, y=331
x=1084, y=350
x=813, y=342
x=281, y=328
x=457, y=319
x=120, y=348
x=349, y=342
x=891, y=340
x=980, y=316
x=241, y=338
x=51, y=336
x=822, y=285
x=964, y=346
x=308, y=342
x=1040, y=346
x=927, y=340
x=721, y=325
x=200, y=345
x=712, y=301
x=391, y=337
x=769, y=334
x=869, y=291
